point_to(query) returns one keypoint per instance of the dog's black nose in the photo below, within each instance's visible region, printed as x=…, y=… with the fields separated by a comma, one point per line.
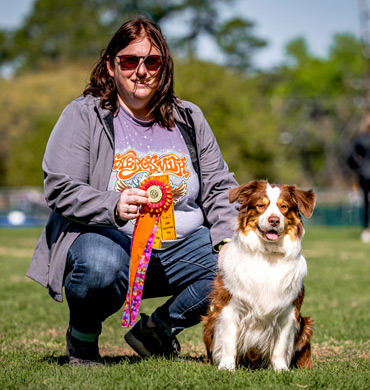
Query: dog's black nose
x=274, y=220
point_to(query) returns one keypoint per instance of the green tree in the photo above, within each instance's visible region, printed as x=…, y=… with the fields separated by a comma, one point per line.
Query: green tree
x=297, y=51
x=30, y=108
x=57, y=31
x=73, y=29
x=319, y=104
x=237, y=42
x=238, y=114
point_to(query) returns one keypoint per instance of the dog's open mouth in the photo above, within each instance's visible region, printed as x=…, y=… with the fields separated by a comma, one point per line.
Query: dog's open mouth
x=271, y=235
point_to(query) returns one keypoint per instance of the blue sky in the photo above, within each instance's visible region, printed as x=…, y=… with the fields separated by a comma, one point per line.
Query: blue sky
x=277, y=21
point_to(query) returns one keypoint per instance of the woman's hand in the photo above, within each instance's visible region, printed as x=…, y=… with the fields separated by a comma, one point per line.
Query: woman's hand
x=130, y=201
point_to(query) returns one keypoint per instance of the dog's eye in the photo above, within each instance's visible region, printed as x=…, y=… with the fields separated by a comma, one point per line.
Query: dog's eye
x=260, y=206
x=283, y=207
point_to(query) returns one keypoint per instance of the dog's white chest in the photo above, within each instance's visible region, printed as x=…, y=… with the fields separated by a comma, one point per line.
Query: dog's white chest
x=262, y=285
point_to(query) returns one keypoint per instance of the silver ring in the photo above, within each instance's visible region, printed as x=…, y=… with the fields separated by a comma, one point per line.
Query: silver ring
x=128, y=210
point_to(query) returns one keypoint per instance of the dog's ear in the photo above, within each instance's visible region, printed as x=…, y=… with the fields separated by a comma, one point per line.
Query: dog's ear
x=305, y=200
x=243, y=192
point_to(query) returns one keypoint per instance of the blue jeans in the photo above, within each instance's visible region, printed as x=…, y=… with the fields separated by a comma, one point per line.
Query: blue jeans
x=97, y=278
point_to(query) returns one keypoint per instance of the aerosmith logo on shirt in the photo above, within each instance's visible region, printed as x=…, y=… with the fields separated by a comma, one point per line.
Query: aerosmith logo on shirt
x=131, y=168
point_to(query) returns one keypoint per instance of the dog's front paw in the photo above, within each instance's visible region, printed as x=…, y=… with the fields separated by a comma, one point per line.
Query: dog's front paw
x=280, y=365
x=227, y=363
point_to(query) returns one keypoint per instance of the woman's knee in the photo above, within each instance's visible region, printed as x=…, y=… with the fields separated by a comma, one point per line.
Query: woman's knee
x=98, y=259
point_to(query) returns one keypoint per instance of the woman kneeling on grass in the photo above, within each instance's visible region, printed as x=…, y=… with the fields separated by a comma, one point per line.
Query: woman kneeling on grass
x=127, y=124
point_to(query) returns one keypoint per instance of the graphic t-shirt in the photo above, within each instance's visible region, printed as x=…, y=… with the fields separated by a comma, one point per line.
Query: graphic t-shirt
x=142, y=147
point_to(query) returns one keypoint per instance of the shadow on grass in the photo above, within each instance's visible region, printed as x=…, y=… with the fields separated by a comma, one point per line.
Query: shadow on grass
x=114, y=360
x=107, y=360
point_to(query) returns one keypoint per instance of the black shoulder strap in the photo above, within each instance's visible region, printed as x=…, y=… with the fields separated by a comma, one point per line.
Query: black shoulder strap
x=188, y=133
x=109, y=121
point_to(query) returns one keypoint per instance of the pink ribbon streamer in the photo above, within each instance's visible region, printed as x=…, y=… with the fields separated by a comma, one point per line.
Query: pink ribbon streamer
x=138, y=288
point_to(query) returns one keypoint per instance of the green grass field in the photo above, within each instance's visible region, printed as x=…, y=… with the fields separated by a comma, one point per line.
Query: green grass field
x=32, y=329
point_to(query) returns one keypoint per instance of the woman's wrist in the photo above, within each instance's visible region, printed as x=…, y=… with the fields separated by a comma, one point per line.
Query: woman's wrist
x=219, y=246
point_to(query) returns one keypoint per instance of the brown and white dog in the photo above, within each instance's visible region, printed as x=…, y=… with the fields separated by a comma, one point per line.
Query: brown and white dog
x=254, y=316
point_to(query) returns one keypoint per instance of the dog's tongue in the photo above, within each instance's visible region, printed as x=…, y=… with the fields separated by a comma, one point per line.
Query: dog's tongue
x=273, y=236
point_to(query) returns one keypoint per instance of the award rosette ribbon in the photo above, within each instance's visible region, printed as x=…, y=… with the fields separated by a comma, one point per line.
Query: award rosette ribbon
x=143, y=238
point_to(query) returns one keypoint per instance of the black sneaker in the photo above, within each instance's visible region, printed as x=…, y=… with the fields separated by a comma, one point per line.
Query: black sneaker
x=81, y=353
x=149, y=342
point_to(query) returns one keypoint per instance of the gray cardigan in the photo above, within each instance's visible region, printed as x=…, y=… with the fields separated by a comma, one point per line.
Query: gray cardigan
x=77, y=165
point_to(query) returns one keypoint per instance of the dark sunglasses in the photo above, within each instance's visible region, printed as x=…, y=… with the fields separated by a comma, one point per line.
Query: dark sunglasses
x=130, y=62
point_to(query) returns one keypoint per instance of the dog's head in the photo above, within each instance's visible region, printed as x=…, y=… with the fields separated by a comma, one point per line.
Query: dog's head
x=272, y=211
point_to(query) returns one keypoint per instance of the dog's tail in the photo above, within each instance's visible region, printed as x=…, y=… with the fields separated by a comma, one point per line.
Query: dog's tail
x=302, y=357
x=208, y=321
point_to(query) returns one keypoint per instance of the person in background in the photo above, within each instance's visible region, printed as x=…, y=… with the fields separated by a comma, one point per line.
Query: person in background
x=127, y=123
x=359, y=161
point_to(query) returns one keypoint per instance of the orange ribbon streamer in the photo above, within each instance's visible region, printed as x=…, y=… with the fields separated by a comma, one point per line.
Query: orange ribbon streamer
x=160, y=200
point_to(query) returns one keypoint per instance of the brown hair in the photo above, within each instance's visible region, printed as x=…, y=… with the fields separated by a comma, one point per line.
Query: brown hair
x=103, y=85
